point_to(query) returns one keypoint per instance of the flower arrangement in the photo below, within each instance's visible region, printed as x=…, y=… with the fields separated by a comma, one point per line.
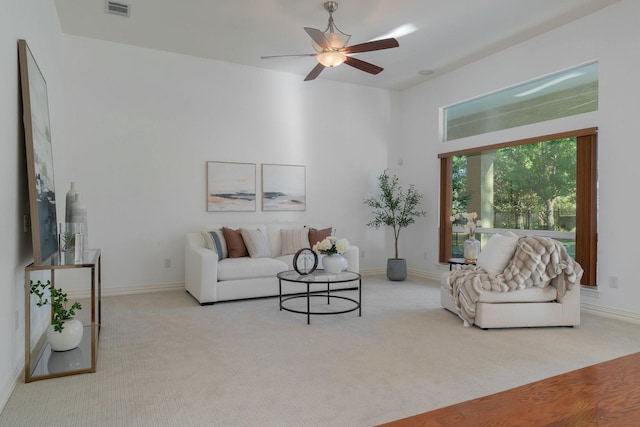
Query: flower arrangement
x=331, y=245
x=471, y=221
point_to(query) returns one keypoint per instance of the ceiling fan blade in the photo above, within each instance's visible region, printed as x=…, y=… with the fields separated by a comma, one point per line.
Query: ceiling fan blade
x=362, y=65
x=285, y=56
x=315, y=72
x=318, y=37
x=370, y=46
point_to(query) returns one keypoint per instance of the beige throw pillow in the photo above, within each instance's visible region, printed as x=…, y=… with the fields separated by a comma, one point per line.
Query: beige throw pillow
x=497, y=253
x=293, y=240
x=256, y=243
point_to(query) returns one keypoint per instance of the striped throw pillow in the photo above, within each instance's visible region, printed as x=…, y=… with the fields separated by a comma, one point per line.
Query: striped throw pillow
x=293, y=240
x=214, y=240
x=256, y=243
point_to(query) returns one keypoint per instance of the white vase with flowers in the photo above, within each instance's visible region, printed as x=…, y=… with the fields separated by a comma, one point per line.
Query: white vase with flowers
x=469, y=221
x=332, y=248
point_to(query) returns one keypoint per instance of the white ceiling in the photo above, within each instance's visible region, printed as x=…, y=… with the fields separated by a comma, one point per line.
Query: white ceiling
x=449, y=33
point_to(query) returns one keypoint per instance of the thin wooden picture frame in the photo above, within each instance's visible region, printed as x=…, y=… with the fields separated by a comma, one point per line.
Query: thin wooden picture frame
x=39, y=156
x=231, y=187
x=284, y=187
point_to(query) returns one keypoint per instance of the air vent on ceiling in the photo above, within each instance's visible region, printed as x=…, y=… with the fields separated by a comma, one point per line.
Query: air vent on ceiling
x=118, y=8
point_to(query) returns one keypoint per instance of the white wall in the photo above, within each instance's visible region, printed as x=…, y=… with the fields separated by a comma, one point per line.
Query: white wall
x=609, y=36
x=142, y=124
x=36, y=21
x=136, y=126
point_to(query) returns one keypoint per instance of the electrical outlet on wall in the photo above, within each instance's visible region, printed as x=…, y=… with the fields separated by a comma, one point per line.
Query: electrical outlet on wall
x=167, y=263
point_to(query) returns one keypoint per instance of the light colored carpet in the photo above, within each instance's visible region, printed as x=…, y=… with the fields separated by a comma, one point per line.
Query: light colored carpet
x=166, y=361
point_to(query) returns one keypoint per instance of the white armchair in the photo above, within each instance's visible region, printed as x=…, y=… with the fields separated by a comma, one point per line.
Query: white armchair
x=539, y=286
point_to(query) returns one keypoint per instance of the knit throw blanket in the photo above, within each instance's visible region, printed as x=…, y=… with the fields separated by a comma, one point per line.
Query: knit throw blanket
x=536, y=261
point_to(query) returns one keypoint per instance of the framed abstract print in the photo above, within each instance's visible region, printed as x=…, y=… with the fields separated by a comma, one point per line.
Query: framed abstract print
x=39, y=153
x=283, y=188
x=231, y=187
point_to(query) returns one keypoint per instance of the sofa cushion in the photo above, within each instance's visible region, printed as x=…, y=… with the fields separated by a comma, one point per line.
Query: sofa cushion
x=235, y=244
x=249, y=268
x=316, y=235
x=497, y=253
x=544, y=293
x=287, y=259
x=293, y=240
x=256, y=243
x=532, y=294
x=215, y=241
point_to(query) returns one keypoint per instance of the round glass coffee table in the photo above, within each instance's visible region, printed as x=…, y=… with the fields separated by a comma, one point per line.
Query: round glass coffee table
x=320, y=277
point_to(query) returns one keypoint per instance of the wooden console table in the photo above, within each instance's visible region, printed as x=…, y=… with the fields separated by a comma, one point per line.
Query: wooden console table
x=40, y=362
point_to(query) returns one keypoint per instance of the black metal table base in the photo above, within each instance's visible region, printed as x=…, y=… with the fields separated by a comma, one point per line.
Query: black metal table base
x=321, y=294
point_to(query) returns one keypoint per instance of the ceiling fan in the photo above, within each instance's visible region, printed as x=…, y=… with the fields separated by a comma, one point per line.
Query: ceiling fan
x=332, y=50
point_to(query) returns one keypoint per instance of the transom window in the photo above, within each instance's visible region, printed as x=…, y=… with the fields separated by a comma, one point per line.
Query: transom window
x=562, y=94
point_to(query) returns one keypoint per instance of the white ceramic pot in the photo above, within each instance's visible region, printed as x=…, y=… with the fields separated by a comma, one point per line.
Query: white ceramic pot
x=68, y=339
x=334, y=263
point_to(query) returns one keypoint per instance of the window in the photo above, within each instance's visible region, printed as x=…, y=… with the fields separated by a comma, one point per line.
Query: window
x=544, y=186
x=562, y=94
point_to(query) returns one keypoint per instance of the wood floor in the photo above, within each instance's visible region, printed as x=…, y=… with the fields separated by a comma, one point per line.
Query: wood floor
x=606, y=394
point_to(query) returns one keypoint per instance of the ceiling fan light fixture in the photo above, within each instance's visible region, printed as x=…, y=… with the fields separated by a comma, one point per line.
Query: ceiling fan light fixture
x=331, y=58
x=337, y=39
x=332, y=50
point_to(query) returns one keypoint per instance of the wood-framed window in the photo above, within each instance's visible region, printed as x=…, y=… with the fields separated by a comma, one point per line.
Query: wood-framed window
x=585, y=229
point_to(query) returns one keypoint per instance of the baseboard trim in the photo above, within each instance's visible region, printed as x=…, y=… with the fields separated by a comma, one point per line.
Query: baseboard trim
x=611, y=313
x=7, y=388
x=129, y=290
x=410, y=272
x=142, y=289
x=589, y=291
x=373, y=271
x=424, y=274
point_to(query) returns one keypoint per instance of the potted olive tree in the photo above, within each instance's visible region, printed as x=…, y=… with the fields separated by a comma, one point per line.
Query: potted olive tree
x=65, y=332
x=395, y=208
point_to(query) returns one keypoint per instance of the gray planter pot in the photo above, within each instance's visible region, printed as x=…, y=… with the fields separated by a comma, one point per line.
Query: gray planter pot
x=396, y=269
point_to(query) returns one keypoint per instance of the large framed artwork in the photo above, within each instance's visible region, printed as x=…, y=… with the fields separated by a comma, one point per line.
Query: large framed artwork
x=37, y=133
x=283, y=188
x=231, y=187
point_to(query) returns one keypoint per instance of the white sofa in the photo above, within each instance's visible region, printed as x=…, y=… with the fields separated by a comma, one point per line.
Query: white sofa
x=518, y=282
x=210, y=279
x=530, y=307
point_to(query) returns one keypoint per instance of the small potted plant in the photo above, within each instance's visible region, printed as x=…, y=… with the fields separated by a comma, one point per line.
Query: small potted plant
x=65, y=332
x=395, y=208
